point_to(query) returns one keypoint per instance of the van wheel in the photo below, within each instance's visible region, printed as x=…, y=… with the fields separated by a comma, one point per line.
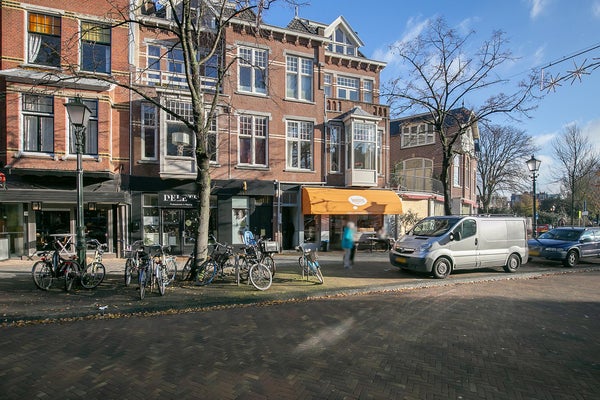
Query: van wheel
x=572, y=259
x=441, y=268
x=513, y=263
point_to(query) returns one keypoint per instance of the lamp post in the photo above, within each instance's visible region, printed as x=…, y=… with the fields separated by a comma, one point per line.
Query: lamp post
x=79, y=115
x=534, y=166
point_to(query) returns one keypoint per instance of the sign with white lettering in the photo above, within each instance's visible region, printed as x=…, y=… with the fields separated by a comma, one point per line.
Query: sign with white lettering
x=177, y=200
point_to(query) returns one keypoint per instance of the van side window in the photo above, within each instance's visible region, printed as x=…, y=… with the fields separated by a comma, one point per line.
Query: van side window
x=467, y=229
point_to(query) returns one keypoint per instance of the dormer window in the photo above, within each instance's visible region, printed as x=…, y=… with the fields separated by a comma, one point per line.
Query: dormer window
x=341, y=43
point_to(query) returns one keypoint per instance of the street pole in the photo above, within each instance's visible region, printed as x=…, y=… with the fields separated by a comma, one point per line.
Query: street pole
x=534, y=166
x=80, y=232
x=79, y=115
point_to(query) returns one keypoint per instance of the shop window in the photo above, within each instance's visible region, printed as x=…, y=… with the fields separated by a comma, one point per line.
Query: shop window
x=151, y=219
x=310, y=229
x=240, y=219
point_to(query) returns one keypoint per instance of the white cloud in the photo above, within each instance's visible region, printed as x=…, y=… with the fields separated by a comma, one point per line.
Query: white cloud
x=414, y=27
x=596, y=9
x=592, y=131
x=537, y=7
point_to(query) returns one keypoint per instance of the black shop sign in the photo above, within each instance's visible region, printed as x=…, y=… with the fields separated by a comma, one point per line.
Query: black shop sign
x=177, y=200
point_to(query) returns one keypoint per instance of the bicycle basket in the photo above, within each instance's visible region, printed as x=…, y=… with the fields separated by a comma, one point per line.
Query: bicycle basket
x=312, y=256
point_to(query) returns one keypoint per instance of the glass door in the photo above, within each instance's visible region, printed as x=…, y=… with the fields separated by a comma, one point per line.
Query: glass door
x=171, y=229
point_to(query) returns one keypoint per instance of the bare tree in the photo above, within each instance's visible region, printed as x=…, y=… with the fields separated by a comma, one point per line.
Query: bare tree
x=196, y=28
x=501, y=164
x=442, y=76
x=579, y=165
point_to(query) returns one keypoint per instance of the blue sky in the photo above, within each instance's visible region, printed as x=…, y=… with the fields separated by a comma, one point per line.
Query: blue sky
x=540, y=32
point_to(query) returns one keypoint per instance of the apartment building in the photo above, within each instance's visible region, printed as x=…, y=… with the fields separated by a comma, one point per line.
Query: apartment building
x=416, y=160
x=300, y=140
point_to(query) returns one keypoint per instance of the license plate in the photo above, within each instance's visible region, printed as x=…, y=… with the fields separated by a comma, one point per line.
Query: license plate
x=401, y=260
x=534, y=253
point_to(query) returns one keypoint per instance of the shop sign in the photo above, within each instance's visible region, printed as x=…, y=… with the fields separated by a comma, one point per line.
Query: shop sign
x=357, y=201
x=177, y=200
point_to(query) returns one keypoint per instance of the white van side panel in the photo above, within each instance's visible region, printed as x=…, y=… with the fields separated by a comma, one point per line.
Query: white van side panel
x=493, y=242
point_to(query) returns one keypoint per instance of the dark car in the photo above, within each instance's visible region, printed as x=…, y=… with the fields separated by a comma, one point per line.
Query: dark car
x=566, y=244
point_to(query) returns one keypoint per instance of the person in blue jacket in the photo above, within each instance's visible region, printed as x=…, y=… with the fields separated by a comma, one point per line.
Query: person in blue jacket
x=348, y=243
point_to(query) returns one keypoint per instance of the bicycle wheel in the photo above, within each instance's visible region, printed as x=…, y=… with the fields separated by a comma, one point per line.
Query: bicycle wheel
x=187, y=269
x=70, y=269
x=41, y=272
x=130, y=269
x=93, y=275
x=206, y=273
x=317, y=272
x=171, y=269
x=260, y=276
x=161, y=279
x=143, y=273
x=270, y=263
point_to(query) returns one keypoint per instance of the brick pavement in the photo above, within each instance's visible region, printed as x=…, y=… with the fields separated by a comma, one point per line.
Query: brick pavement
x=21, y=300
x=494, y=339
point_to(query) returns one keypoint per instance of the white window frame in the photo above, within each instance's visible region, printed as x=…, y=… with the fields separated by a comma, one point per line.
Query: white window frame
x=90, y=33
x=255, y=60
x=149, y=124
x=348, y=88
x=91, y=141
x=299, y=78
x=368, y=86
x=299, y=136
x=364, y=141
x=43, y=119
x=335, y=147
x=414, y=135
x=44, y=39
x=258, y=131
x=456, y=170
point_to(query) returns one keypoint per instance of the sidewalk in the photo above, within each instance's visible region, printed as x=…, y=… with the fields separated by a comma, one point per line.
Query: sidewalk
x=20, y=300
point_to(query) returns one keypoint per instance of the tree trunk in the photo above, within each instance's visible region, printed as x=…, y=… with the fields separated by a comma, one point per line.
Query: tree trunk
x=446, y=185
x=203, y=186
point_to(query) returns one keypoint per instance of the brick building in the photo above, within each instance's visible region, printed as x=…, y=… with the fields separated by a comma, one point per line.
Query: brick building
x=297, y=124
x=416, y=161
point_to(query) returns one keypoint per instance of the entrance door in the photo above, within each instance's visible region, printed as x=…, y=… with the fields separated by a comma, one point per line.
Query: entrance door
x=178, y=229
x=171, y=229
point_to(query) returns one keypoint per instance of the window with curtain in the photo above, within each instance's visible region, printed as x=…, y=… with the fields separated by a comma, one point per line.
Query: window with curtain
x=299, y=144
x=149, y=132
x=299, y=78
x=253, y=140
x=417, y=174
x=38, y=123
x=90, y=139
x=252, y=70
x=95, y=47
x=43, y=39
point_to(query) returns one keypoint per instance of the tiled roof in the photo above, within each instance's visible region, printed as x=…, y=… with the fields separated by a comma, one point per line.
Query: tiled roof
x=304, y=26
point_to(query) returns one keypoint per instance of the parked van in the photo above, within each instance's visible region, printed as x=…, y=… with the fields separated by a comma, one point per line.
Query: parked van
x=440, y=245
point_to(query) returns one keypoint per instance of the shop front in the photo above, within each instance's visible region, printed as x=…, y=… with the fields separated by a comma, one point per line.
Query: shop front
x=326, y=210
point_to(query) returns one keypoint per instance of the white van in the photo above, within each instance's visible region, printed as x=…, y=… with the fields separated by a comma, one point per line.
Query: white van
x=440, y=245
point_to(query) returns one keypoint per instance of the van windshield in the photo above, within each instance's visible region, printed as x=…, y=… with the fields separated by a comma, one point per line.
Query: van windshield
x=433, y=226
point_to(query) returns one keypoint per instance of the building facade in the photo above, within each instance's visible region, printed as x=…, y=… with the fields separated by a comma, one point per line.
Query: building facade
x=416, y=160
x=297, y=117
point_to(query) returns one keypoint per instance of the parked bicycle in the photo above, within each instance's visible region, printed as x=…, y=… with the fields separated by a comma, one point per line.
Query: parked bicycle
x=52, y=266
x=134, y=255
x=309, y=263
x=260, y=250
x=94, y=272
x=222, y=262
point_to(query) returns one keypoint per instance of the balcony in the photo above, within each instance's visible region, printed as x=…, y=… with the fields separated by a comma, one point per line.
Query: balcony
x=419, y=184
x=172, y=80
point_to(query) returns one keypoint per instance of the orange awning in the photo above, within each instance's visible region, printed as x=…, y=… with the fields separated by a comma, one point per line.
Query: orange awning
x=320, y=200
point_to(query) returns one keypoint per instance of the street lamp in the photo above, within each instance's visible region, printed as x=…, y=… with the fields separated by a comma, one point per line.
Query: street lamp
x=534, y=166
x=79, y=115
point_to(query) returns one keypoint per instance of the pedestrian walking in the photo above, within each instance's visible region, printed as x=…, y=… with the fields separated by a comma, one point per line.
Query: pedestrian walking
x=348, y=244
